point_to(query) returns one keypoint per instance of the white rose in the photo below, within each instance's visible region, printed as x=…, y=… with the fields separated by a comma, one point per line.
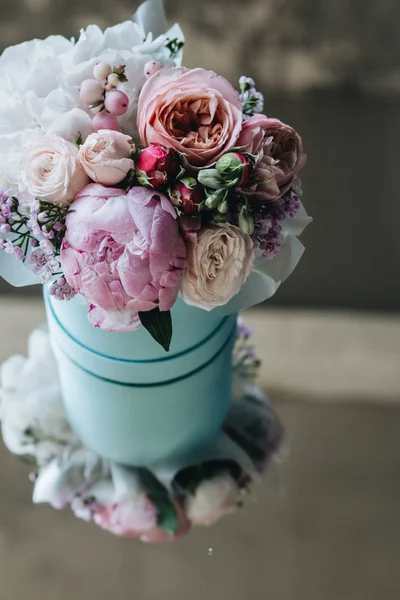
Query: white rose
x=212, y=500
x=219, y=262
x=51, y=171
x=105, y=156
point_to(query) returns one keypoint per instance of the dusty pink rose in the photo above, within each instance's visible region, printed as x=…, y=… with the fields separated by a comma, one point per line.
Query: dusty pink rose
x=219, y=262
x=123, y=252
x=212, y=500
x=197, y=112
x=135, y=515
x=51, y=171
x=280, y=152
x=106, y=156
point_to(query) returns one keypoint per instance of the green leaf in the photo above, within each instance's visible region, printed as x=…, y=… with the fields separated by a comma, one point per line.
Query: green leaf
x=167, y=518
x=159, y=325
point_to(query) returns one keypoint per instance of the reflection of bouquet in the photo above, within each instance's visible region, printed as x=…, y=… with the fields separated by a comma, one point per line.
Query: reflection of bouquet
x=128, y=179
x=154, y=504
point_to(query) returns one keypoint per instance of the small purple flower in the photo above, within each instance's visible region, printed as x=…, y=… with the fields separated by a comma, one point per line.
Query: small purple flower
x=62, y=290
x=244, y=331
x=14, y=251
x=38, y=260
x=251, y=99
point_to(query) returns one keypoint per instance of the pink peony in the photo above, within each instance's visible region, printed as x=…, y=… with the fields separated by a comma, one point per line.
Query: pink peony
x=280, y=156
x=134, y=515
x=106, y=156
x=197, y=112
x=123, y=252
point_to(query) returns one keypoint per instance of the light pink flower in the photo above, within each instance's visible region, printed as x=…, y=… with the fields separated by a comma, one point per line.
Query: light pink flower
x=213, y=499
x=219, y=262
x=280, y=155
x=135, y=515
x=123, y=252
x=197, y=112
x=106, y=156
x=50, y=170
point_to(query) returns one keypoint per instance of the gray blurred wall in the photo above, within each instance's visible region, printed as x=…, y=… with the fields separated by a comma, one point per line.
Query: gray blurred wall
x=329, y=68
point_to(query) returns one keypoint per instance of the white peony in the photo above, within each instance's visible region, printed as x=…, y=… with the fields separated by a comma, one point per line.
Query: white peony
x=67, y=476
x=32, y=415
x=213, y=499
x=41, y=81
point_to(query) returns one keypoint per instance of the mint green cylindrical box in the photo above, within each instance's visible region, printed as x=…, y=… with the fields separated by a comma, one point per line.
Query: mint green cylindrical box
x=132, y=402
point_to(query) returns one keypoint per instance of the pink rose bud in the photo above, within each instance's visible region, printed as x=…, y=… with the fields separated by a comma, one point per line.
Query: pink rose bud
x=116, y=103
x=120, y=69
x=91, y=91
x=105, y=121
x=102, y=71
x=187, y=195
x=157, y=165
x=152, y=67
x=235, y=166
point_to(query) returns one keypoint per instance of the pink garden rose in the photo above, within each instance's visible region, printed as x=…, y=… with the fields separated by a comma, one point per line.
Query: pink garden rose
x=51, y=171
x=220, y=259
x=134, y=515
x=106, y=156
x=280, y=153
x=197, y=112
x=123, y=252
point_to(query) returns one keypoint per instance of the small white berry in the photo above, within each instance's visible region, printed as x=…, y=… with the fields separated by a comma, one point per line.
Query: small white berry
x=102, y=71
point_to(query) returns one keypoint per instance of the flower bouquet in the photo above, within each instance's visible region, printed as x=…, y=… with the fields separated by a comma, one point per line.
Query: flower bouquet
x=153, y=202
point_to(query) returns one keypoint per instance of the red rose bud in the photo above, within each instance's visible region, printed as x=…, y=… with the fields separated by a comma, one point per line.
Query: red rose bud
x=157, y=165
x=187, y=195
x=235, y=167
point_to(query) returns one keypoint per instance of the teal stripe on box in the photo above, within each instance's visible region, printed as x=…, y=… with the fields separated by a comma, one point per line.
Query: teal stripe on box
x=131, y=361
x=160, y=383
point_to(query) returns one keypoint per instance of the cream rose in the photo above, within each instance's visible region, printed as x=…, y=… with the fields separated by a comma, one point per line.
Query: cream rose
x=105, y=156
x=212, y=500
x=219, y=262
x=51, y=170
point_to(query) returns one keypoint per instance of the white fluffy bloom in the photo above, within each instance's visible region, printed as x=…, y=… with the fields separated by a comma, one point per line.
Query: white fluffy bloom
x=31, y=411
x=41, y=81
x=67, y=476
x=213, y=499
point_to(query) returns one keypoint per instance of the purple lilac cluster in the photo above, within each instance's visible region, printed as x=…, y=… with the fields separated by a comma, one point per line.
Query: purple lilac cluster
x=33, y=232
x=252, y=100
x=267, y=222
x=246, y=364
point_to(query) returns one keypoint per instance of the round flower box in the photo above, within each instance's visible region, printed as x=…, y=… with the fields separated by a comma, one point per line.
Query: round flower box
x=132, y=402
